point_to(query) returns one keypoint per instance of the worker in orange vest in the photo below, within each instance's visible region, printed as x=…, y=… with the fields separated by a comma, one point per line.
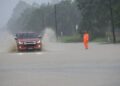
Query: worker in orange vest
x=86, y=40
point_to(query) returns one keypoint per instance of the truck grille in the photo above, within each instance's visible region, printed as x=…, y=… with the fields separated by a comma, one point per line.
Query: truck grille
x=29, y=43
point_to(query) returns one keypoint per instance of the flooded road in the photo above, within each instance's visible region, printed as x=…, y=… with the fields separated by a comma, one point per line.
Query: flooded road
x=62, y=64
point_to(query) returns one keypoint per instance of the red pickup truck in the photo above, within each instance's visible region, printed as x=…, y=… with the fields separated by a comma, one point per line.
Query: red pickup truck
x=28, y=41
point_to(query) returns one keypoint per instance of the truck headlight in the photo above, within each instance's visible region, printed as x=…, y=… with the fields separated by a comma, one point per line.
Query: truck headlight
x=19, y=42
x=38, y=41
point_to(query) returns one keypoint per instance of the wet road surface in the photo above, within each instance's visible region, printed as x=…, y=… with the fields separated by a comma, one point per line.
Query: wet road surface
x=62, y=64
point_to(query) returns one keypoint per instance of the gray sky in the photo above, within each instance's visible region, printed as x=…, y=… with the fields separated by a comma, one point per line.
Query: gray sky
x=6, y=8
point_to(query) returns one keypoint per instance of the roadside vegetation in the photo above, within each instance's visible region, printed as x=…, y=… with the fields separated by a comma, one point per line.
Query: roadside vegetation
x=68, y=39
x=72, y=16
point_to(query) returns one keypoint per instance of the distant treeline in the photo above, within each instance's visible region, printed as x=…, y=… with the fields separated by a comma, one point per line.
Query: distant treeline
x=73, y=17
x=37, y=18
x=96, y=16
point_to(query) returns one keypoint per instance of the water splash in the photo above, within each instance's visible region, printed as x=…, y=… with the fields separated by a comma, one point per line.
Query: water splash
x=7, y=42
x=49, y=40
x=49, y=36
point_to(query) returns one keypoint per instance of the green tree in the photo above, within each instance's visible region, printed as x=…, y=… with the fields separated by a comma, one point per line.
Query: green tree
x=96, y=16
x=38, y=18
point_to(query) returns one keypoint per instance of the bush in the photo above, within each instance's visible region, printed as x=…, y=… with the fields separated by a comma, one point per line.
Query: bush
x=68, y=39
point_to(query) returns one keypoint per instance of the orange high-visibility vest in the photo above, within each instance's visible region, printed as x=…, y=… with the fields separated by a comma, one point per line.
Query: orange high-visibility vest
x=86, y=40
x=86, y=37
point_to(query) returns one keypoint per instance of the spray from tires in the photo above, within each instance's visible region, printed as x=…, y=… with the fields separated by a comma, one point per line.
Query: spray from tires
x=49, y=40
x=49, y=36
x=7, y=42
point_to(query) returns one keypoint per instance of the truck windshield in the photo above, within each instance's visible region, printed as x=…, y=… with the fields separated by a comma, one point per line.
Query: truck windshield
x=26, y=35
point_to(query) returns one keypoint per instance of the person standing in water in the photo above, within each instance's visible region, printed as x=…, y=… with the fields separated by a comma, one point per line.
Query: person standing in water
x=86, y=39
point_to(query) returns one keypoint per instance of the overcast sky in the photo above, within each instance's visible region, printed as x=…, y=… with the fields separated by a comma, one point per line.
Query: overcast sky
x=6, y=8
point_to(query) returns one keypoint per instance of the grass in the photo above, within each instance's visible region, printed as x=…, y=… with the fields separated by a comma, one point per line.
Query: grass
x=100, y=40
x=73, y=38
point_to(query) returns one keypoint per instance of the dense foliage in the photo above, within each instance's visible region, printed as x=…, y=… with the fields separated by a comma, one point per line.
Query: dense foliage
x=72, y=17
x=96, y=17
x=37, y=18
